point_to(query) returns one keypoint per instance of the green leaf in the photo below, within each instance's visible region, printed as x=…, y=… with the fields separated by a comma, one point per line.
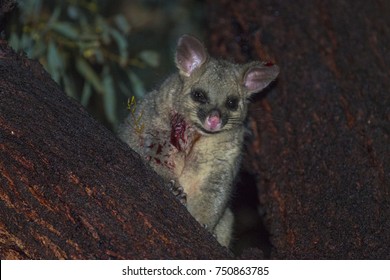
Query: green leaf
x=109, y=96
x=136, y=85
x=104, y=28
x=122, y=46
x=151, y=58
x=69, y=86
x=54, y=62
x=86, y=94
x=122, y=23
x=26, y=44
x=66, y=29
x=54, y=16
x=89, y=74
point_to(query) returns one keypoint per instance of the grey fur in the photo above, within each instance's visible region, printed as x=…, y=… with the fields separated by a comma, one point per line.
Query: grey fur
x=197, y=141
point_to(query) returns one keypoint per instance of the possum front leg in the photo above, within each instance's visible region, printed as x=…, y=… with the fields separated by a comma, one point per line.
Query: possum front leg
x=208, y=185
x=207, y=201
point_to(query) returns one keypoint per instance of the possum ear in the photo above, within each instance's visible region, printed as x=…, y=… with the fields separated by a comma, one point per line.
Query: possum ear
x=190, y=55
x=258, y=76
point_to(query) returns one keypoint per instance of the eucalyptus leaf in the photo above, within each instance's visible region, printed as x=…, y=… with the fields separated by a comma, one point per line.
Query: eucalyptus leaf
x=136, y=84
x=54, y=62
x=150, y=57
x=26, y=44
x=86, y=94
x=74, y=36
x=89, y=74
x=104, y=28
x=66, y=29
x=69, y=86
x=122, y=45
x=122, y=23
x=54, y=16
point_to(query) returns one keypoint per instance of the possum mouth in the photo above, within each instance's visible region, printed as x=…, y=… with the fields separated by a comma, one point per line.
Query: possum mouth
x=210, y=123
x=203, y=130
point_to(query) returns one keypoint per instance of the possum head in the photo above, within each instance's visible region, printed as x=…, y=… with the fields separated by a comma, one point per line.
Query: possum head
x=215, y=93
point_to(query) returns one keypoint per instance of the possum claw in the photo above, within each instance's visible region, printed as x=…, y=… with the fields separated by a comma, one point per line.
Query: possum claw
x=178, y=191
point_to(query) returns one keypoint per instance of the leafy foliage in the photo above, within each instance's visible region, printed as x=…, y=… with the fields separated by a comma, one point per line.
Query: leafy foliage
x=85, y=50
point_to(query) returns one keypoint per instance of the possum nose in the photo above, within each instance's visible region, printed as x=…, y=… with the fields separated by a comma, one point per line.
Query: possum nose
x=213, y=121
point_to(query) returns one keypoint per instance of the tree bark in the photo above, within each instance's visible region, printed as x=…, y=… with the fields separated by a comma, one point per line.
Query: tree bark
x=320, y=146
x=69, y=189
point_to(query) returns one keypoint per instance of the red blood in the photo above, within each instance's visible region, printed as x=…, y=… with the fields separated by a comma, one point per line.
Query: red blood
x=268, y=63
x=178, y=131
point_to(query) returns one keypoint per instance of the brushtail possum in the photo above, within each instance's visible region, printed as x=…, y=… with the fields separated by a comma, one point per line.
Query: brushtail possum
x=191, y=129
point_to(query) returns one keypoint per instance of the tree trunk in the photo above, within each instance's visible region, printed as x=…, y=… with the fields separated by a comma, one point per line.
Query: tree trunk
x=320, y=149
x=69, y=189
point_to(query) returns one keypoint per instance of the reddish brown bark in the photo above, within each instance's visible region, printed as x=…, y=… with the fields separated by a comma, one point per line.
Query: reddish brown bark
x=320, y=146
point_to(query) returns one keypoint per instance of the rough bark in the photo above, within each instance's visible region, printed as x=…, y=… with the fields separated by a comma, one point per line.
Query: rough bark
x=320, y=146
x=69, y=189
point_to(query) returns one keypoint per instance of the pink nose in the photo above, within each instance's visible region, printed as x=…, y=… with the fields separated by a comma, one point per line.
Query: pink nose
x=213, y=121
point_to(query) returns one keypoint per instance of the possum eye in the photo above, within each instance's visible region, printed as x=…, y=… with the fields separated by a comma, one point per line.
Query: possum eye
x=232, y=103
x=199, y=96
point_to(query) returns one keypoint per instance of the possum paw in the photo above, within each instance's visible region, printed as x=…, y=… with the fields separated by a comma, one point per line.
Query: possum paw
x=207, y=228
x=178, y=191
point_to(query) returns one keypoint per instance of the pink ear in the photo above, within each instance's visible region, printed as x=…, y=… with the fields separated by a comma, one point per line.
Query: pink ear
x=190, y=54
x=259, y=76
